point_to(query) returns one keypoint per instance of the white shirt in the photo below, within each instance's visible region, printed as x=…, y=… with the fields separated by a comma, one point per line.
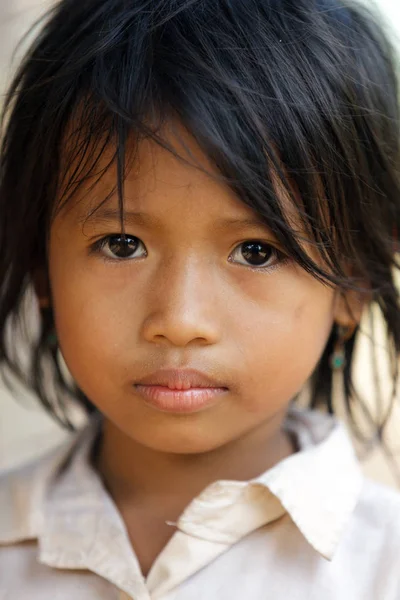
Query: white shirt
x=310, y=528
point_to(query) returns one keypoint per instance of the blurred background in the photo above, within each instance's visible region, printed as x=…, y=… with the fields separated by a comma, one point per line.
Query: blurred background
x=25, y=430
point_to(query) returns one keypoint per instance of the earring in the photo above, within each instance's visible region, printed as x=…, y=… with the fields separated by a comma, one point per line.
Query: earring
x=338, y=356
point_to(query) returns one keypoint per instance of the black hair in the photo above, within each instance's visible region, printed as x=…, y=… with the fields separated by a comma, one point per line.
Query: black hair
x=303, y=92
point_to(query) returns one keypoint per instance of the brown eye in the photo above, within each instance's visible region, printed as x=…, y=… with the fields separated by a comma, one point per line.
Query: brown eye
x=255, y=254
x=123, y=247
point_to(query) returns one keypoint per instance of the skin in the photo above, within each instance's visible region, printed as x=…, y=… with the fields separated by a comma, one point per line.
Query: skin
x=192, y=302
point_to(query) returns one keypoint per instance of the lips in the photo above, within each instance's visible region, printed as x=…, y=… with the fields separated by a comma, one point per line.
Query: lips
x=180, y=391
x=175, y=379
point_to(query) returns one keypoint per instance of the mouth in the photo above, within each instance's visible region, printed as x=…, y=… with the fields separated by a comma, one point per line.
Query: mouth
x=180, y=391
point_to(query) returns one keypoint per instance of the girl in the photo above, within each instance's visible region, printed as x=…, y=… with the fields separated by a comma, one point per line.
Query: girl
x=204, y=195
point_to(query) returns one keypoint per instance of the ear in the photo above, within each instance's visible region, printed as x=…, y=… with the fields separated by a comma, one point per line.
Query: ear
x=42, y=287
x=348, y=307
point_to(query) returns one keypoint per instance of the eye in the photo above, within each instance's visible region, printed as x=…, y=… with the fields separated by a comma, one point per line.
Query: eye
x=255, y=254
x=121, y=246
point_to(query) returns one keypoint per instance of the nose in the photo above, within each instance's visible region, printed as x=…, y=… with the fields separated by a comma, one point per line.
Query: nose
x=182, y=305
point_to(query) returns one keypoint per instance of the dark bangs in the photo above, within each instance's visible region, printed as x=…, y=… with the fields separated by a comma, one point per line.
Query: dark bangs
x=299, y=95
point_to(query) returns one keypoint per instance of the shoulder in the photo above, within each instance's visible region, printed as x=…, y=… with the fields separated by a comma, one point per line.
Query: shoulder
x=376, y=520
x=378, y=506
x=22, y=493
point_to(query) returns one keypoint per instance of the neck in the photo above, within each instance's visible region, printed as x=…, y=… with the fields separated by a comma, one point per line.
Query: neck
x=136, y=474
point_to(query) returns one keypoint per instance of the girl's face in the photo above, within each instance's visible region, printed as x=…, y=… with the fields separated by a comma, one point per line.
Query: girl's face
x=202, y=286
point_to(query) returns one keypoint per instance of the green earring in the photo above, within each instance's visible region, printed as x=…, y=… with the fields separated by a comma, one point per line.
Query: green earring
x=338, y=357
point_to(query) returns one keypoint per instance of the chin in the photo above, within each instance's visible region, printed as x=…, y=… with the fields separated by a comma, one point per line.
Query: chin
x=197, y=433
x=181, y=443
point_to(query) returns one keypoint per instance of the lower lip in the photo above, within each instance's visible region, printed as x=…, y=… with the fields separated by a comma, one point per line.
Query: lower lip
x=179, y=401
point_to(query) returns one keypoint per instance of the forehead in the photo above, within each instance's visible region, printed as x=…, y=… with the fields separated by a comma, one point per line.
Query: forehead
x=178, y=189
x=171, y=187
x=159, y=181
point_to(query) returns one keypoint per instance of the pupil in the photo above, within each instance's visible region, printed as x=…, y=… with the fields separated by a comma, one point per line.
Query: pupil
x=256, y=253
x=122, y=246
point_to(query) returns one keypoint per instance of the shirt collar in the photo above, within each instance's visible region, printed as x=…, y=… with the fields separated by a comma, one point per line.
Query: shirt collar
x=83, y=528
x=318, y=487
x=62, y=498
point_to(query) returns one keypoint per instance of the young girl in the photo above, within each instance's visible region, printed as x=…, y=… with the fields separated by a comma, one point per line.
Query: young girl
x=204, y=196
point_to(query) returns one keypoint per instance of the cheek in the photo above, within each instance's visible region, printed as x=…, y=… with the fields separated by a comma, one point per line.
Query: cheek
x=283, y=342
x=94, y=319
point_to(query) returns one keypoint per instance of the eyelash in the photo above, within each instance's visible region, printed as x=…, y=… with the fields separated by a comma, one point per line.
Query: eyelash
x=280, y=258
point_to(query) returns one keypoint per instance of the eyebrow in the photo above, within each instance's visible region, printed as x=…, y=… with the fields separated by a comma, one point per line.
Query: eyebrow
x=114, y=214
x=145, y=220
x=241, y=222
